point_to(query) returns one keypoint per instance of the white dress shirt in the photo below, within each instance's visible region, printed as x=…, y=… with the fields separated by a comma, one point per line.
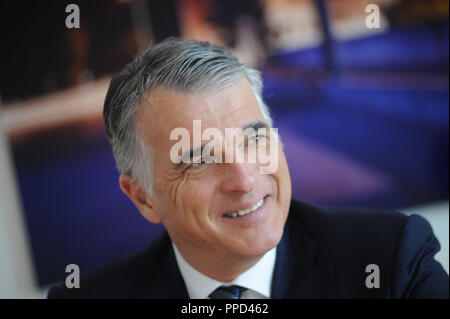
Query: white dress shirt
x=257, y=279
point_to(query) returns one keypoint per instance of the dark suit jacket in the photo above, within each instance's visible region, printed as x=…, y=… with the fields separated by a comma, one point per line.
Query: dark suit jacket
x=323, y=254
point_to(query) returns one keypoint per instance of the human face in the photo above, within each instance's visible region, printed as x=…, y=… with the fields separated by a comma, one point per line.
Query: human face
x=192, y=200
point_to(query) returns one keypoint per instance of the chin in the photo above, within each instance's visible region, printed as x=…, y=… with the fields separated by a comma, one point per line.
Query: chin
x=259, y=246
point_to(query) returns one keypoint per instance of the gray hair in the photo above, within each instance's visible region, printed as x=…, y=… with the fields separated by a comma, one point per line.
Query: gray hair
x=183, y=65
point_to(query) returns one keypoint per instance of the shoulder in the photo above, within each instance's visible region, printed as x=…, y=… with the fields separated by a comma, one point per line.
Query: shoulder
x=127, y=277
x=359, y=226
x=403, y=247
x=350, y=238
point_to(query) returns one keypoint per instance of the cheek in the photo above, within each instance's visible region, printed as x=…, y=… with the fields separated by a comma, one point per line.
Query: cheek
x=196, y=195
x=283, y=166
x=167, y=188
x=284, y=180
x=190, y=219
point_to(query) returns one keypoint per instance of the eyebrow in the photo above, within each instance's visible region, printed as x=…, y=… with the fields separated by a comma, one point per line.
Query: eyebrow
x=199, y=150
x=256, y=126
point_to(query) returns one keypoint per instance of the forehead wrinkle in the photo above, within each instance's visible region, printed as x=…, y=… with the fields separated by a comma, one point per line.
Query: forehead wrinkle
x=203, y=109
x=215, y=103
x=219, y=109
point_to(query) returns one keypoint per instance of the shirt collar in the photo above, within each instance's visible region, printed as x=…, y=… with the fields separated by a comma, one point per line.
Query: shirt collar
x=258, y=278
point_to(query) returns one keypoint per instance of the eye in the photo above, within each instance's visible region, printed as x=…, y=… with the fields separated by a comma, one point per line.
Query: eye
x=255, y=139
x=199, y=163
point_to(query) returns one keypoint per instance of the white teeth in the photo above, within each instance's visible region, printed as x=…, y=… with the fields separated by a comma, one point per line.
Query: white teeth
x=248, y=210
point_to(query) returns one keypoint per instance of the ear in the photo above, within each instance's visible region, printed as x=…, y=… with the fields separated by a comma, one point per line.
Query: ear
x=138, y=195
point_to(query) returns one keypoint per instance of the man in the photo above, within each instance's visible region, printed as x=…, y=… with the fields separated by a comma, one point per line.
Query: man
x=233, y=230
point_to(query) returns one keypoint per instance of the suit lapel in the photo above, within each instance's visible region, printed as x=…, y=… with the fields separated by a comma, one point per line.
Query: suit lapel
x=296, y=273
x=179, y=290
x=167, y=281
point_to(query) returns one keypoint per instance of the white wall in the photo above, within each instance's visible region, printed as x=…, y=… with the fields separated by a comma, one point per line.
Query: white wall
x=16, y=272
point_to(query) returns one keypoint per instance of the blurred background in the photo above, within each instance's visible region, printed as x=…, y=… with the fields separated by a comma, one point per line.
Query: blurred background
x=363, y=114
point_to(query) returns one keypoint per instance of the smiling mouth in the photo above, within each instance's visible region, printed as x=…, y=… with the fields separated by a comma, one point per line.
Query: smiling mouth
x=244, y=212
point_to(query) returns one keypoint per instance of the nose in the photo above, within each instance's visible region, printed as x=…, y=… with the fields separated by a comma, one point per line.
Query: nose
x=239, y=177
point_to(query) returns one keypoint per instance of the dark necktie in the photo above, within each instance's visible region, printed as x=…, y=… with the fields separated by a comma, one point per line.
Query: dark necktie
x=227, y=292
